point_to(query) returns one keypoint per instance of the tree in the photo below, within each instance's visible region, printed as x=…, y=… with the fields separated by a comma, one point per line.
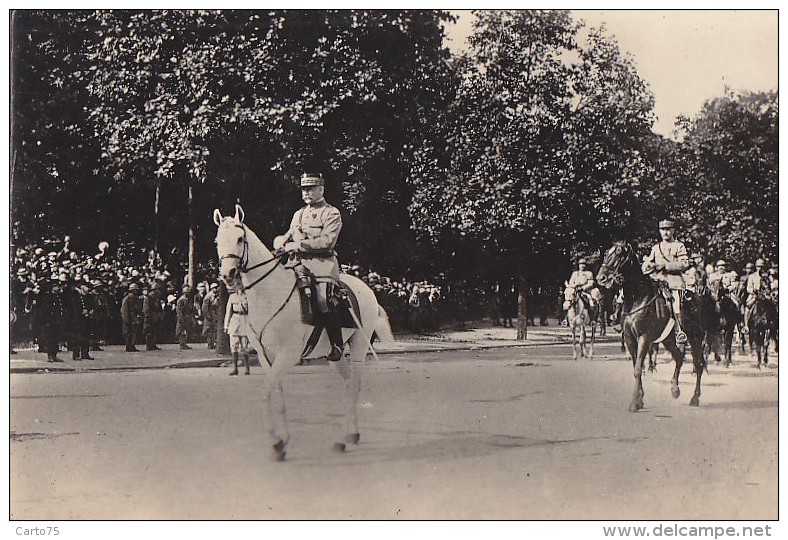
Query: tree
x=520, y=170
x=723, y=176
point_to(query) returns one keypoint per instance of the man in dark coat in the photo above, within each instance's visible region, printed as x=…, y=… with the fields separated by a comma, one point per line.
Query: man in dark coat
x=131, y=313
x=51, y=313
x=81, y=310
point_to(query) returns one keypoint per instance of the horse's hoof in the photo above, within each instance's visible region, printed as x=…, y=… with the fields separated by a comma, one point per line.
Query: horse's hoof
x=338, y=448
x=279, y=451
x=233, y=373
x=246, y=372
x=675, y=391
x=695, y=401
x=352, y=438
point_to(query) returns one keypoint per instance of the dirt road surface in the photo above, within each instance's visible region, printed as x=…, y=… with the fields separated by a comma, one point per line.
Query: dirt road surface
x=508, y=434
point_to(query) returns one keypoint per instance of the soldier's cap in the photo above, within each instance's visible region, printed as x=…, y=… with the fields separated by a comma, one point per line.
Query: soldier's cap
x=134, y=287
x=760, y=263
x=667, y=224
x=214, y=285
x=721, y=263
x=311, y=179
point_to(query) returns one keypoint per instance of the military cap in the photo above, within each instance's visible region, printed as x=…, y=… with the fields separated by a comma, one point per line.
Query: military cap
x=760, y=263
x=310, y=179
x=721, y=263
x=667, y=224
x=214, y=286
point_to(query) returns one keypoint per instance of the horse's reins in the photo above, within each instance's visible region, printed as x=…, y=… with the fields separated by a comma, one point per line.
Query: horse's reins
x=618, y=277
x=244, y=260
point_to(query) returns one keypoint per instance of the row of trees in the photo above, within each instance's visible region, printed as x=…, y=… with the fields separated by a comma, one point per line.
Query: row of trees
x=533, y=146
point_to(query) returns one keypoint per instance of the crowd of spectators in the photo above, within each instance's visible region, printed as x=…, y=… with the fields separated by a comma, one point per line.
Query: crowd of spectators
x=420, y=307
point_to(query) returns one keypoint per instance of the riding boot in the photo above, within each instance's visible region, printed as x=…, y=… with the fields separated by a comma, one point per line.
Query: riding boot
x=246, y=363
x=235, y=364
x=334, y=332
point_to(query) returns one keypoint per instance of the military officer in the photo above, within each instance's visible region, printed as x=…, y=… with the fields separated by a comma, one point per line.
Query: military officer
x=235, y=325
x=720, y=270
x=153, y=315
x=51, y=311
x=211, y=315
x=666, y=263
x=581, y=280
x=754, y=282
x=131, y=313
x=313, y=234
x=184, y=316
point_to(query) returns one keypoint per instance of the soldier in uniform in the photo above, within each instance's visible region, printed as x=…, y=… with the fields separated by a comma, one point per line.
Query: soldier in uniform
x=666, y=263
x=754, y=282
x=211, y=315
x=720, y=270
x=582, y=282
x=131, y=314
x=314, y=231
x=235, y=325
x=184, y=316
x=153, y=314
x=101, y=314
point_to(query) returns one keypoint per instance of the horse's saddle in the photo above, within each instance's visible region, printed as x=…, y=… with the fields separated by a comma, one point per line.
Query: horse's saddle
x=341, y=300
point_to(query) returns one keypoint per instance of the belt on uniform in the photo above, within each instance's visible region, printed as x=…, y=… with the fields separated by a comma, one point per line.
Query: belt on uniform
x=317, y=254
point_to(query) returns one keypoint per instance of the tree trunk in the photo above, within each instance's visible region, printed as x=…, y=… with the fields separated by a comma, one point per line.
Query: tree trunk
x=522, y=308
x=192, y=276
x=156, y=216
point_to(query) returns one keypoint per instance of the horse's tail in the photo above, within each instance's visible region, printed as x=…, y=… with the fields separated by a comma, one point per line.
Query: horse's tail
x=382, y=328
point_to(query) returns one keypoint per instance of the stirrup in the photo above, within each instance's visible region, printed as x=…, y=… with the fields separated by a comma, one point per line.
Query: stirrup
x=681, y=338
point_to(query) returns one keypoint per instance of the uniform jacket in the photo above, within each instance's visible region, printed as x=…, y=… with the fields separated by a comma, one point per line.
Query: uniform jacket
x=151, y=308
x=316, y=226
x=582, y=280
x=131, y=309
x=236, y=314
x=673, y=256
x=184, y=314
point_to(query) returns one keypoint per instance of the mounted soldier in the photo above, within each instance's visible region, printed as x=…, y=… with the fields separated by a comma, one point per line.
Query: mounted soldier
x=314, y=231
x=666, y=264
x=757, y=279
x=581, y=282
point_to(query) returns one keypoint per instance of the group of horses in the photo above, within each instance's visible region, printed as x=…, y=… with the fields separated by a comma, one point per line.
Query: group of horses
x=709, y=318
x=279, y=332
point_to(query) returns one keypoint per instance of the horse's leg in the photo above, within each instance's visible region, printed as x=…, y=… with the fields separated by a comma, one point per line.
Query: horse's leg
x=678, y=358
x=699, y=362
x=574, y=340
x=275, y=405
x=640, y=355
x=591, y=344
x=583, y=338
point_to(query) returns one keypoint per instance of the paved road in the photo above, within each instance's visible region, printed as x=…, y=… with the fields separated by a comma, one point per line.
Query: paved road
x=518, y=433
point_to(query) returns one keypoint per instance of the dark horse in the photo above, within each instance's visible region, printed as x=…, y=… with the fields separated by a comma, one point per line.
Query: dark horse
x=646, y=315
x=763, y=323
x=729, y=319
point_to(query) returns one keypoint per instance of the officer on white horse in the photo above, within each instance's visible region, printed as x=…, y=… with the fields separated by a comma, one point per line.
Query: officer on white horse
x=667, y=263
x=314, y=231
x=581, y=282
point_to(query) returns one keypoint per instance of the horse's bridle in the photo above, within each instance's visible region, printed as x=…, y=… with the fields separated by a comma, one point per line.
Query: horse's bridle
x=243, y=259
x=615, y=274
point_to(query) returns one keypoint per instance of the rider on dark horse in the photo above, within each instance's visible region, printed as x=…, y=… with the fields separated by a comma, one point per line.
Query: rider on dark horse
x=314, y=231
x=666, y=264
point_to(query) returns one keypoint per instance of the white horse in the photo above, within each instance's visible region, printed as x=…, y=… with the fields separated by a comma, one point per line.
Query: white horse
x=578, y=317
x=275, y=328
